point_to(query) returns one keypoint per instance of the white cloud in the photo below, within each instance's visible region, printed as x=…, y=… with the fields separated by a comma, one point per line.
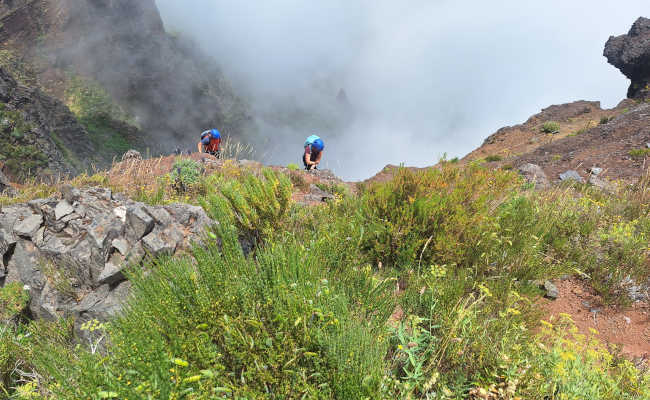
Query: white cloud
x=427, y=77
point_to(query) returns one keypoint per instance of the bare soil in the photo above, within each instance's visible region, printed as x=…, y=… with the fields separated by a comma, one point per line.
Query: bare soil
x=627, y=328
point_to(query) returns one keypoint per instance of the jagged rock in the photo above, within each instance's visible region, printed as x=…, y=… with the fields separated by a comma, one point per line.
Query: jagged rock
x=571, y=175
x=631, y=54
x=602, y=183
x=552, y=291
x=70, y=193
x=29, y=225
x=534, y=174
x=156, y=244
x=72, y=254
x=138, y=223
x=132, y=155
x=63, y=209
x=318, y=194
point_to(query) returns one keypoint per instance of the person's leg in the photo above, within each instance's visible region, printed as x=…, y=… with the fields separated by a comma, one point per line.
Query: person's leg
x=304, y=162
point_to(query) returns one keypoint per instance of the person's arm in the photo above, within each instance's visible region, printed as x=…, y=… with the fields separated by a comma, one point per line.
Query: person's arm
x=307, y=156
x=318, y=157
x=200, y=147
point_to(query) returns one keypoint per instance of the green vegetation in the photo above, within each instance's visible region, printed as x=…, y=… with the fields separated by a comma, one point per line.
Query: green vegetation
x=20, y=156
x=293, y=167
x=605, y=120
x=186, y=172
x=493, y=157
x=639, y=153
x=97, y=112
x=19, y=68
x=337, y=189
x=13, y=300
x=313, y=311
x=551, y=127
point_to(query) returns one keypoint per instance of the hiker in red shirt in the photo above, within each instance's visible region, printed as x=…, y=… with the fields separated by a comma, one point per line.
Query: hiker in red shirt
x=210, y=143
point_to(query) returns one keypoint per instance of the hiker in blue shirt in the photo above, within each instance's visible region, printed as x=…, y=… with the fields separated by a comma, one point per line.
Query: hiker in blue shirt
x=313, y=152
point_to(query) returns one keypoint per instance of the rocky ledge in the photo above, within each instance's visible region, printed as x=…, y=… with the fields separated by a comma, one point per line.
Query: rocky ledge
x=69, y=251
x=631, y=54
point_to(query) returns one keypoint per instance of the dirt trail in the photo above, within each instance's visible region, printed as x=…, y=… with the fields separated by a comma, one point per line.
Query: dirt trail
x=626, y=327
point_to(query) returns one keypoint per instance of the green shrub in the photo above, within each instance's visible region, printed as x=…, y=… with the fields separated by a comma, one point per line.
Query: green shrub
x=604, y=120
x=13, y=300
x=565, y=364
x=186, y=172
x=237, y=327
x=449, y=208
x=493, y=158
x=293, y=167
x=639, y=153
x=256, y=205
x=551, y=127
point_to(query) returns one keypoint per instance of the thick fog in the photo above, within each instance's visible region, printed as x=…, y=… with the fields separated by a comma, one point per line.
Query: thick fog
x=422, y=77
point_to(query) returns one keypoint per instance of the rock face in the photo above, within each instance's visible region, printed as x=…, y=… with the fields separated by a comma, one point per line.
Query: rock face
x=44, y=117
x=71, y=251
x=631, y=54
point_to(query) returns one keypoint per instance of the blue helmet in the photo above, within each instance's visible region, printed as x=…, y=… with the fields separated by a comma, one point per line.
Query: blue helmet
x=318, y=145
x=208, y=135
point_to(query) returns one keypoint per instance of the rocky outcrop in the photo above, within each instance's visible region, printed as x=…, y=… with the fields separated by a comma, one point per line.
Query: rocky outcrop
x=631, y=54
x=534, y=174
x=70, y=251
x=49, y=137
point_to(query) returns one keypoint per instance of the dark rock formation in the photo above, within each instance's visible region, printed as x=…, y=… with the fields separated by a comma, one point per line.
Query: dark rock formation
x=631, y=54
x=51, y=127
x=70, y=251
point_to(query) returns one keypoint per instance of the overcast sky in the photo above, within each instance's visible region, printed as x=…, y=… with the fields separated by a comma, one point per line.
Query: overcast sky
x=425, y=77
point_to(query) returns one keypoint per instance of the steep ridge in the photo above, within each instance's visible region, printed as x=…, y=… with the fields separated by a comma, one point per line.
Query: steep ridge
x=128, y=82
x=39, y=135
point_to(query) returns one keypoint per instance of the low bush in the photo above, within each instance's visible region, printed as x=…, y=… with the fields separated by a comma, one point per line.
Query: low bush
x=186, y=172
x=550, y=127
x=639, y=153
x=493, y=158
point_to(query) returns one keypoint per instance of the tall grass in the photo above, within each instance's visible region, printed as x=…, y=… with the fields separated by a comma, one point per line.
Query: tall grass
x=418, y=287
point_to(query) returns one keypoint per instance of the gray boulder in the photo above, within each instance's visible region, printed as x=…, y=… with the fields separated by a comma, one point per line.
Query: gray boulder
x=631, y=54
x=71, y=252
x=534, y=174
x=571, y=175
x=602, y=183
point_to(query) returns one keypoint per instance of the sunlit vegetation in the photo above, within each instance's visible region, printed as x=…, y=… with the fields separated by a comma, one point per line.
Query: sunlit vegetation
x=418, y=287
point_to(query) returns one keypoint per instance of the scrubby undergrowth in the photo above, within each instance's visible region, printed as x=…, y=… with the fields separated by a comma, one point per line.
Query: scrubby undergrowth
x=419, y=287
